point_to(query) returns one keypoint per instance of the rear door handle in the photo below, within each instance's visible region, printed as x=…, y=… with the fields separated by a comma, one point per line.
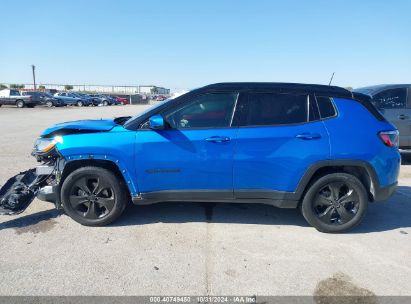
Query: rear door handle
x=402, y=116
x=308, y=136
x=218, y=139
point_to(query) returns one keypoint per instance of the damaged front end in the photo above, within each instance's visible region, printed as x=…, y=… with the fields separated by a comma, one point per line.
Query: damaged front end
x=20, y=190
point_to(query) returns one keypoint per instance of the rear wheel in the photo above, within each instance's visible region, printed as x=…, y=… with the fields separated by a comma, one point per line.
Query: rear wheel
x=79, y=103
x=93, y=196
x=335, y=203
x=49, y=104
x=20, y=104
x=105, y=103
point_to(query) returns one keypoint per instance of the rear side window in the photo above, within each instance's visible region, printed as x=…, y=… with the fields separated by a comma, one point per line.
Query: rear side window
x=276, y=109
x=391, y=99
x=326, y=107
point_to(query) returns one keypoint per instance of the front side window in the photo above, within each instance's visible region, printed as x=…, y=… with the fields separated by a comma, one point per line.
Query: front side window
x=277, y=109
x=391, y=99
x=14, y=93
x=212, y=110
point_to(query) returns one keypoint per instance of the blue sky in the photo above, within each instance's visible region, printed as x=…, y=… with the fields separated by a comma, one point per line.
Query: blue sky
x=185, y=44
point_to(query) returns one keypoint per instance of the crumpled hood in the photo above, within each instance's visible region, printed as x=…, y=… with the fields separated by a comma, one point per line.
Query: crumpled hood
x=79, y=126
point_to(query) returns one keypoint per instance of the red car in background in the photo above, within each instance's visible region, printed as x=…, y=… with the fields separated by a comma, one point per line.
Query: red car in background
x=122, y=100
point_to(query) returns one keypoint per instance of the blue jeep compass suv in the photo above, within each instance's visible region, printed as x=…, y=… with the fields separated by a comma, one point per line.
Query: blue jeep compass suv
x=320, y=148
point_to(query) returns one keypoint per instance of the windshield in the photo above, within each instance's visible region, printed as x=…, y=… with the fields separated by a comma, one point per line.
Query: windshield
x=130, y=121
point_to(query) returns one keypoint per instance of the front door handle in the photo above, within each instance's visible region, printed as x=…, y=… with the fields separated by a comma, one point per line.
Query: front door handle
x=308, y=136
x=218, y=139
x=402, y=116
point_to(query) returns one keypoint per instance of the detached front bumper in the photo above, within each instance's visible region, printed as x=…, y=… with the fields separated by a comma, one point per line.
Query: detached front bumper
x=20, y=190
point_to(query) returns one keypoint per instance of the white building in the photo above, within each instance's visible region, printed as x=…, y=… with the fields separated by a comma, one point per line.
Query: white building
x=152, y=89
x=106, y=89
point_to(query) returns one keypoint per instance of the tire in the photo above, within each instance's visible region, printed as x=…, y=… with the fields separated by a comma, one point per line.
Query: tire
x=335, y=203
x=105, y=103
x=79, y=103
x=84, y=191
x=49, y=104
x=20, y=104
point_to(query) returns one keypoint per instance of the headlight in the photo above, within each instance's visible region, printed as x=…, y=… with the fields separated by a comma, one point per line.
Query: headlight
x=45, y=145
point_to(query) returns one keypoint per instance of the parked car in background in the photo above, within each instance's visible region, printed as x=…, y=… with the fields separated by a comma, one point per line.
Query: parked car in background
x=70, y=98
x=95, y=101
x=114, y=101
x=394, y=102
x=45, y=99
x=161, y=98
x=102, y=99
x=14, y=97
x=87, y=99
x=318, y=148
x=122, y=100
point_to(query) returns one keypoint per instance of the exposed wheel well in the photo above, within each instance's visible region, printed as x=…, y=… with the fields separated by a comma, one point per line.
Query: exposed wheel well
x=358, y=171
x=106, y=164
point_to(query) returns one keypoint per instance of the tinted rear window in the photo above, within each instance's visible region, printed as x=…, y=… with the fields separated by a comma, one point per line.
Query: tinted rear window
x=276, y=109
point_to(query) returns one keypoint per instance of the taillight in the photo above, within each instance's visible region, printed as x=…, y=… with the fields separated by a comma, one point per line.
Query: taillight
x=389, y=138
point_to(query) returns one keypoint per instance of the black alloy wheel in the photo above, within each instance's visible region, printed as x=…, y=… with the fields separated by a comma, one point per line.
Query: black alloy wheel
x=335, y=202
x=93, y=196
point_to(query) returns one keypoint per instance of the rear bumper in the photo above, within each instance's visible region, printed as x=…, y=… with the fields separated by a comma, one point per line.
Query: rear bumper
x=384, y=193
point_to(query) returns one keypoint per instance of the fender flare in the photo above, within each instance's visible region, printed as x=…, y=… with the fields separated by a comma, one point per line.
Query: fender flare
x=309, y=174
x=127, y=175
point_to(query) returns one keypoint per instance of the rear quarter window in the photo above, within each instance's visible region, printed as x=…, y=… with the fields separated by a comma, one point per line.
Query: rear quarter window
x=326, y=107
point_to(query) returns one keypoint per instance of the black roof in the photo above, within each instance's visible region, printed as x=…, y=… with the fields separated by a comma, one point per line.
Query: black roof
x=321, y=90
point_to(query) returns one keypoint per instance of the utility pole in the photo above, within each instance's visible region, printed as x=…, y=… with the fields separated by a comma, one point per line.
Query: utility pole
x=33, y=67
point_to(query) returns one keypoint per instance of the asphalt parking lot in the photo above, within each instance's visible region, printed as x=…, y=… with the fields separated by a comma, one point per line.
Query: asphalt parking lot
x=191, y=248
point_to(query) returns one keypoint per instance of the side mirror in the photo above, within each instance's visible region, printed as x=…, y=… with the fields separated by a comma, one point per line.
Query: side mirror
x=156, y=122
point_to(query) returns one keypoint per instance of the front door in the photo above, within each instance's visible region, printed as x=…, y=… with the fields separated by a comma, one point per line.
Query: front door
x=193, y=156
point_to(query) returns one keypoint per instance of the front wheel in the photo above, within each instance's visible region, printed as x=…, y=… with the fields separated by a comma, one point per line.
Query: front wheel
x=79, y=103
x=335, y=203
x=93, y=196
x=49, y=104
x=20, y=104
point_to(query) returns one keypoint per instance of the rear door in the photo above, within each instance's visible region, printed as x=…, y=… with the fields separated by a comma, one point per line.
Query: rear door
x=393, y=105
x=279, y=138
